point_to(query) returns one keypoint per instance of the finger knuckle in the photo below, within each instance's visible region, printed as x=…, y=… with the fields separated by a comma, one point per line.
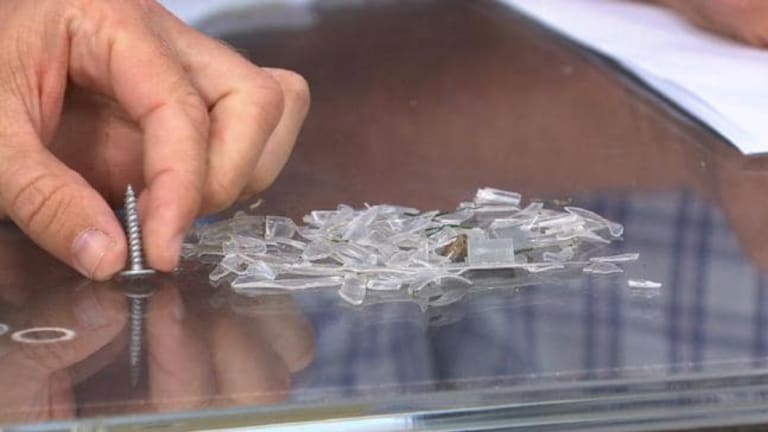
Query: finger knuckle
x=222, y=191
x=193, y=107
x=41, y=201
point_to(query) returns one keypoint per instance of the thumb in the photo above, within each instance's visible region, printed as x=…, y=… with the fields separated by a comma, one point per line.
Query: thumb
x=57, y=208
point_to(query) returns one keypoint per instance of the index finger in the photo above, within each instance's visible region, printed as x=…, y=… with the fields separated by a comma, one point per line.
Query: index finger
x=135, y=67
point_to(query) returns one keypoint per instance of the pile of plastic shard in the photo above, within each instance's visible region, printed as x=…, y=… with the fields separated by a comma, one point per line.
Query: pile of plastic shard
x=393, y=253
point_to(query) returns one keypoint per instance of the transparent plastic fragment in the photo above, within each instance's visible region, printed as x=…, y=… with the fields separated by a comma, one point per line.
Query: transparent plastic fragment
x=318, y=218
x=234, y=264
x=602, y=268
x=189, y=251
x=260, y=269
x=353, y=290
x=401, y=259
x=625, y=257
x=295, y=244
x=448, y=296
x=388, y=284
x=397, y=252
x=643, y=283
x=614, y=228
x=563, y=255
x=442, y=237
x=490, y=251
x=491, y=196
x=456, y=218
x=541, y=267
x=218, y=273
x=352, y=254
x=317, y=250
x=246, y=281
x=533, y=208
x=279, y=227
x=644, y=288
x=358, y=227
x=388, y=210
x=427, y=278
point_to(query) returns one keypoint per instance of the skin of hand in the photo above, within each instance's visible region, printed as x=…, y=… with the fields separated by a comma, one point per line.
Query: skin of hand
x=98, y=94
x=742, y=20
x=197, y=356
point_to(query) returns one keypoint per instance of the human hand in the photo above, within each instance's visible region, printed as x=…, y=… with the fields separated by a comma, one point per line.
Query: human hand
x=99, y=94
x=743, y=20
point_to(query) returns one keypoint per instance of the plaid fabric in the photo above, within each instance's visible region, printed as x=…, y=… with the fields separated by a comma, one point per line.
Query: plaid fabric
x=710, y=312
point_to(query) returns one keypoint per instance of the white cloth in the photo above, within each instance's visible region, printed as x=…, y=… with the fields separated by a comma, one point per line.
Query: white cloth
x=721, y=82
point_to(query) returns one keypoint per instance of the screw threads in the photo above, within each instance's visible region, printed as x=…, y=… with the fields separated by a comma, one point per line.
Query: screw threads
x=137, y=287
x=134, y=230
x=136, y=339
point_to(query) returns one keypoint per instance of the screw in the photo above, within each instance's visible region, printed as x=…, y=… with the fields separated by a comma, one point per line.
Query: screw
x=136, y=286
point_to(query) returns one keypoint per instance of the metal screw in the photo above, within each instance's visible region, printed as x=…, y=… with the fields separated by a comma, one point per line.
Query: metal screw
x=136, y=285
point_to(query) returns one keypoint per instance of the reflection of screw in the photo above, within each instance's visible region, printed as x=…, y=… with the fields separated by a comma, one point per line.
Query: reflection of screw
x=136, y=286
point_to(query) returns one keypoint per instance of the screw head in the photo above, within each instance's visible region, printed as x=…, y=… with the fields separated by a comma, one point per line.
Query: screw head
x=138, y=283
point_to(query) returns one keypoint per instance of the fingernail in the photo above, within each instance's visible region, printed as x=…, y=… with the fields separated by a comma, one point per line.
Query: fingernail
x=88, y=311
x=89, y=249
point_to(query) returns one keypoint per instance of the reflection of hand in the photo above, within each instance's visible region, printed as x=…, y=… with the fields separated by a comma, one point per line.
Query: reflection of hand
x=741, y=191
x=37, y=379
x=199, y=357
x=149, y=101
x=744, y=20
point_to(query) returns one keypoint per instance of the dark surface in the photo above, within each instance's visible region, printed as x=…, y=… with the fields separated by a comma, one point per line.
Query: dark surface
x=419, y=103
